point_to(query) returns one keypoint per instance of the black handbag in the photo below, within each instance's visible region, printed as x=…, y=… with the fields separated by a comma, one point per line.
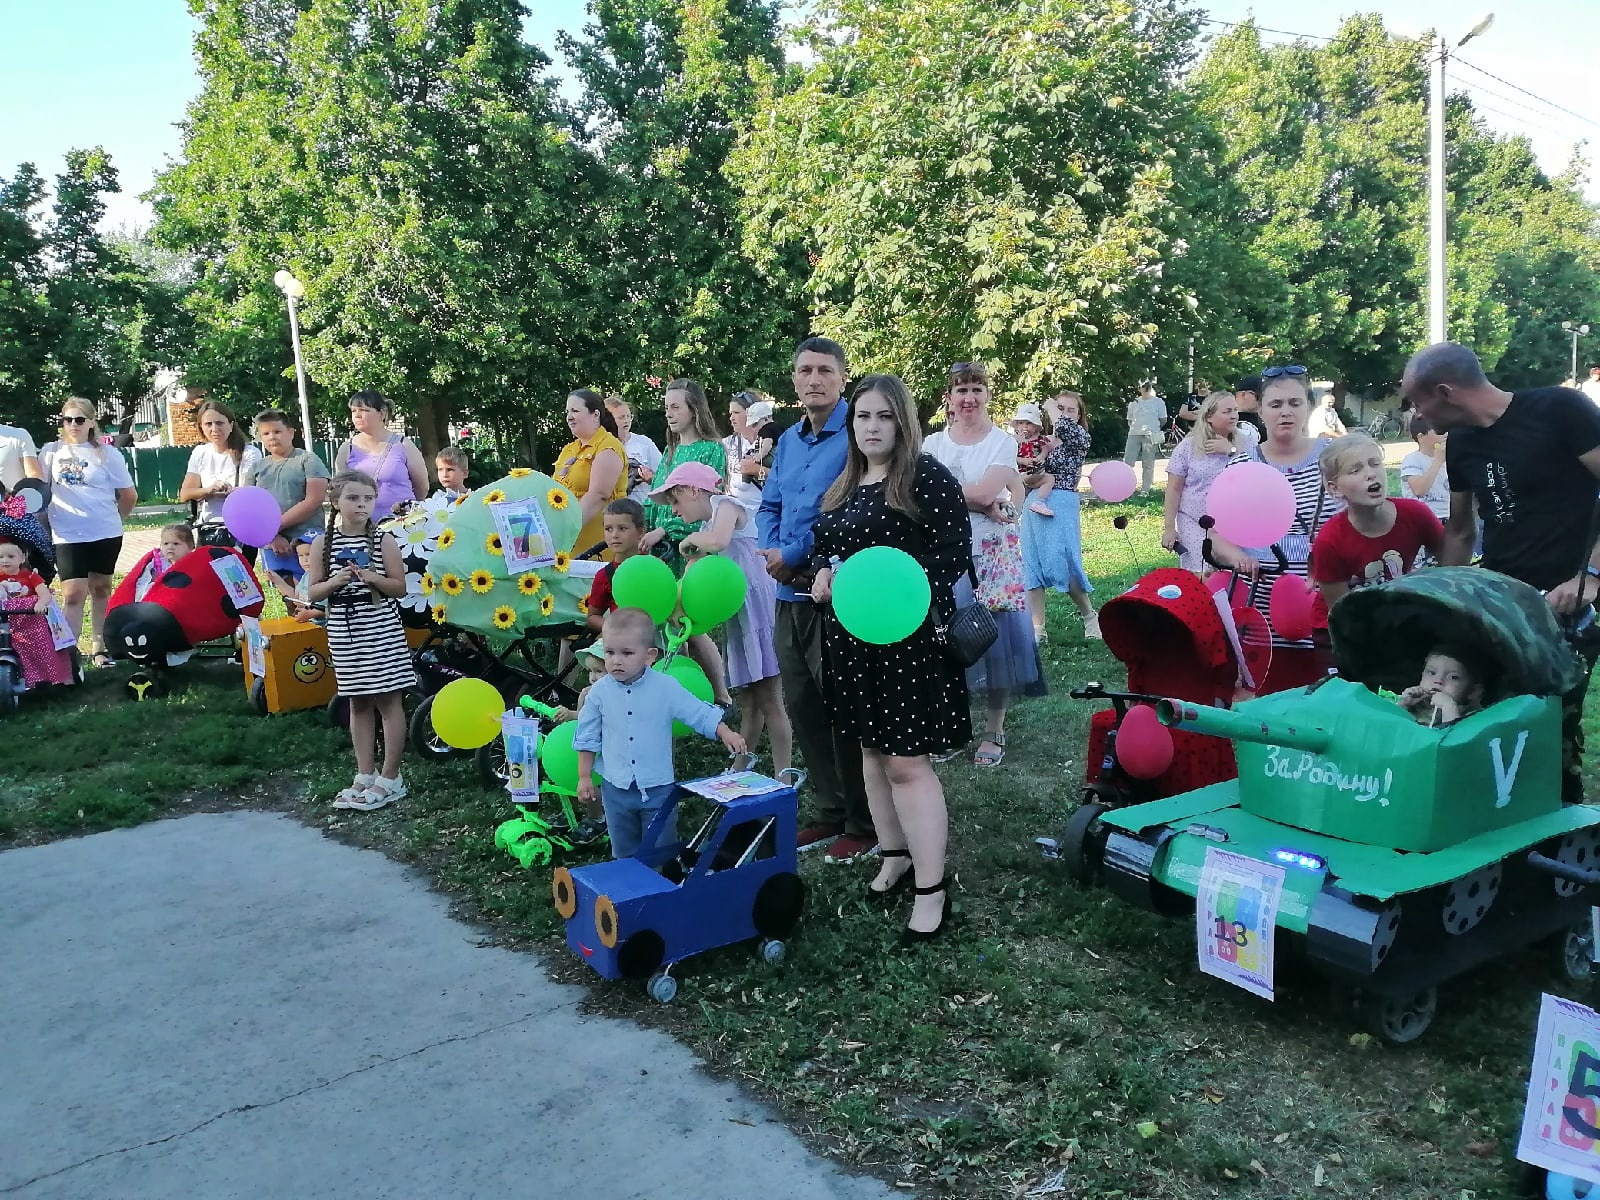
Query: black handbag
x=967, y=633
x=213, y=533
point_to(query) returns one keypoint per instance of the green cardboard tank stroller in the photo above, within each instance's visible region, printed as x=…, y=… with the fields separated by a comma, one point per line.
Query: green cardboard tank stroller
x=1397, y=856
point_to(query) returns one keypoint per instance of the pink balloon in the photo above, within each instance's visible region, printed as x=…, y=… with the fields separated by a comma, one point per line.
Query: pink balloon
x=1144, y=744
x=1113, y=481
x=1293, y=601
x=252, y=515
x=1252, y=503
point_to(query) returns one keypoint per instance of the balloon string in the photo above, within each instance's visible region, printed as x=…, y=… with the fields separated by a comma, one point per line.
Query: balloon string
x=677, y=638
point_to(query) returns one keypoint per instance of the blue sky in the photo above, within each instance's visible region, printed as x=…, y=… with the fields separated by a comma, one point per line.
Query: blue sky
x=119, y=73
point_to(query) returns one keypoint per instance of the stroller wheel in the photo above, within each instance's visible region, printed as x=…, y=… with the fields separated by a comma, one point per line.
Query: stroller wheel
x=427, y=743
x=10, y=687
x=490, y=760
x=1082, y=844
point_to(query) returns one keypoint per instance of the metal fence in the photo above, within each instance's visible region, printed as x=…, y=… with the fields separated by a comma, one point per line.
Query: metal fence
x=160, y=471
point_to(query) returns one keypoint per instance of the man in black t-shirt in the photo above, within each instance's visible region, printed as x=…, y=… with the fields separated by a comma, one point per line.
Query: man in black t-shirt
x=1247, y=395
x=1528, y=462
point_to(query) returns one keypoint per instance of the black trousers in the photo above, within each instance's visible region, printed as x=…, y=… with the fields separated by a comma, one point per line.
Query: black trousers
x=833, y=761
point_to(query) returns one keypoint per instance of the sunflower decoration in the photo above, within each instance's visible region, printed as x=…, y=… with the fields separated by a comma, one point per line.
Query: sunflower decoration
x=529, y=584
x=520, y=472
x=493, y=546
x=583, y=606
x=447, y=539
x=563, y=561
x=482, y=581
x=547, y=605
x=451, y=583
x=557, y=497
x=437, y=613
x=505, y=617
x=494, y=496
x=426, y=586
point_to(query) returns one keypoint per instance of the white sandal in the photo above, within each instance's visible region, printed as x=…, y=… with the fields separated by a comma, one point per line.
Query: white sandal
x=381, y=792
x=352, y=795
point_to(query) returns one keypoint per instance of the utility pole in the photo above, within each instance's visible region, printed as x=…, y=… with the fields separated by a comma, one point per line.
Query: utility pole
x=1437, y=264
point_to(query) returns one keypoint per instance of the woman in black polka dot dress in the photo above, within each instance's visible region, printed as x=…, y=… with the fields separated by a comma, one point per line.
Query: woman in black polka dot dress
x=906, y=700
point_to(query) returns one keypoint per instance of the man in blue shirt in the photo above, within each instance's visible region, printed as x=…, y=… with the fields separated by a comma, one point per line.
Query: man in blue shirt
x=809, y=457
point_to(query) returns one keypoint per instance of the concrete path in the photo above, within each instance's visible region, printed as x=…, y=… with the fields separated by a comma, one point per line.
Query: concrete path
x=234, y=1006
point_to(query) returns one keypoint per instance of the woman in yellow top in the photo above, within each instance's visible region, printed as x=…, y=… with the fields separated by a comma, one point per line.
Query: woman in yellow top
x=593, y=466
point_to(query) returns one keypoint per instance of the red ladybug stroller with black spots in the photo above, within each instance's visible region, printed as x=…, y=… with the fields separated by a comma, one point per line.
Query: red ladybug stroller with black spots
x=1169, y=633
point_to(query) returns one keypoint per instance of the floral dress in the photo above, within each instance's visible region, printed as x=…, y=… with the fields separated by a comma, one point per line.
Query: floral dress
x=660, y=516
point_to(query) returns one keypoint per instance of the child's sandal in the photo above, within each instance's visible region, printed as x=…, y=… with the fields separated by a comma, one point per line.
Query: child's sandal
x=356, y=792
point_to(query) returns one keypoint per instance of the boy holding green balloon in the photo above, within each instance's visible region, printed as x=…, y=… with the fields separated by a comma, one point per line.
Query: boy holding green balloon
x=627, y=725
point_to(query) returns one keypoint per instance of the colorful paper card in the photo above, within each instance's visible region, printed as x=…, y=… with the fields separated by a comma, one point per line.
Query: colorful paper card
x=1236, y=914
x=521, y=737
x=61, y=635
x=255, y=646
x=524, y=534
x=1560, y=1123
x=237, y=580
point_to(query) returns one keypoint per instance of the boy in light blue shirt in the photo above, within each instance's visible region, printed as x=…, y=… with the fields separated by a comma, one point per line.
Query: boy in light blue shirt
x=627, y=722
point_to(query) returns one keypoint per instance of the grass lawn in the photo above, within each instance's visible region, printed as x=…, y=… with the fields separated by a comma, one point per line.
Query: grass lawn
x=1059, y=1043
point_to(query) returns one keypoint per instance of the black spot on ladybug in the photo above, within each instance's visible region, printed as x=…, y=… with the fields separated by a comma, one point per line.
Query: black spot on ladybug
x=228, y=606
x=216, y=552
x=177, y=579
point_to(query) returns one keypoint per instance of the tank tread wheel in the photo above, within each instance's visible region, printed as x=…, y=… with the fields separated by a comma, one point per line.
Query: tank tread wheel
x=1080, y=849
x=1574, y=953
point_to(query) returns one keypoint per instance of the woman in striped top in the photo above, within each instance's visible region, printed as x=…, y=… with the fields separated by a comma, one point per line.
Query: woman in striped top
x=1285, y=408
x=357, y=569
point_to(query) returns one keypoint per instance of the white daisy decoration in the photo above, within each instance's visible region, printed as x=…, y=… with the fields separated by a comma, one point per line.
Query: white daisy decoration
x=414, y=599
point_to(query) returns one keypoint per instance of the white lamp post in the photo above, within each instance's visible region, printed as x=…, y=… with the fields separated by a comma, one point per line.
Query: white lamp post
x=293, y=291
x=1436, y=165
x=1576, y=331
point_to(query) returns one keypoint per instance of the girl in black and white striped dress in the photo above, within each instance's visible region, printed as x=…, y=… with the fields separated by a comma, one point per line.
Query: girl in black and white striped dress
x=358, y=570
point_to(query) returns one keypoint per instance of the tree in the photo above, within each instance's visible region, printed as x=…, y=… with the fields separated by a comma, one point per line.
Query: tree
x=667, y=87
x=979, y=181
x=26, y=324
x=403, y=158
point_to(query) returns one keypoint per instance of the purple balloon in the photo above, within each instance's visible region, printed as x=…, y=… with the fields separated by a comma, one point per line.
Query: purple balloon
x=252, y=515
x=1252, y=504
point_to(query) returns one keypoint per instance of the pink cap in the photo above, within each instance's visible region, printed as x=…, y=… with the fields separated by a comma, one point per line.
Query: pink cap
x=691, y=474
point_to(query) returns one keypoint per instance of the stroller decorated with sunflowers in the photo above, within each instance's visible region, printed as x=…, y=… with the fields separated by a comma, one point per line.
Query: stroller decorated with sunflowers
x=492, y=576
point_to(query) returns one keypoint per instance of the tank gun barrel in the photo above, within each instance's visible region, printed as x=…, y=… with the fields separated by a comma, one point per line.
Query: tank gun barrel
x=1239, y=726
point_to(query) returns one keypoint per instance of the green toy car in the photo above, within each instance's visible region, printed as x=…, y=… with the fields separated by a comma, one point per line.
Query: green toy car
x=1389, y=854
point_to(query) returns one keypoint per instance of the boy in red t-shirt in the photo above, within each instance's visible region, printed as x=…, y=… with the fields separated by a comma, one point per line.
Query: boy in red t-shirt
x=1375, y=539
x=624, y=526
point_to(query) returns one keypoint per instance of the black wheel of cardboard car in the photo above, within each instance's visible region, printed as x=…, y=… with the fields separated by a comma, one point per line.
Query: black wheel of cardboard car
x=430, y=747
x=1400, y=1020
x=490, y=759
x=1082, y=845
x=1574, y=952
x=771, y=950
x=258, y=697
x=778, y=905
x=10, y=687
x=662, y=988
x=641, y=954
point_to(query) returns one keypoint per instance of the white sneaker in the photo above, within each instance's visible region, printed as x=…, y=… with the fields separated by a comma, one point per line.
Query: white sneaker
x=351, y=796
x=381, y=792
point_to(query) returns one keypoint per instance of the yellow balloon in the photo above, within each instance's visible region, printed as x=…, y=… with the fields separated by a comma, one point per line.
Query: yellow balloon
x=466, y=713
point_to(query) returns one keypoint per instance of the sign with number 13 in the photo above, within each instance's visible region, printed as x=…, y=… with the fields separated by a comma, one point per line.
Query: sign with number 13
x=1236, y=915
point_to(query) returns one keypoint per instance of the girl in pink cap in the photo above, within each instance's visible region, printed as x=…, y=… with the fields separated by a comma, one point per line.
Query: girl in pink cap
x=694, y=491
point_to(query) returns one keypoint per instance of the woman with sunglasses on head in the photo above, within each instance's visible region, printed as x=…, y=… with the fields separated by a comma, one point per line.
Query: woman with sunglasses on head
x=983, y=458
x=394, y=461
x=1285, y=409
x=91, y=492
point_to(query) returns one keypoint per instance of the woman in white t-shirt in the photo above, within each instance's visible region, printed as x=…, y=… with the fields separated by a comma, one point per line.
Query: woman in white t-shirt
x=983, y=458
x=643, y=454
x=216, y=466
x=90, y=492
x=749, y=447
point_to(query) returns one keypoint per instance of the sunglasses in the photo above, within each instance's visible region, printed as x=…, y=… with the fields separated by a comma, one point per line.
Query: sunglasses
x=746, y=398
x=1293, y=370
x=66, y=420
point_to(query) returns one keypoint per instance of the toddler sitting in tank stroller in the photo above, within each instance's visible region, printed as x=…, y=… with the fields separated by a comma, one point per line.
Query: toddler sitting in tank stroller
x=1453, y=683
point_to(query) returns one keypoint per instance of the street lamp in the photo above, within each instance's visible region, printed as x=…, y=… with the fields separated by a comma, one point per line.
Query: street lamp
x=1436, y=165
x=294, y=291
x=1576, y=331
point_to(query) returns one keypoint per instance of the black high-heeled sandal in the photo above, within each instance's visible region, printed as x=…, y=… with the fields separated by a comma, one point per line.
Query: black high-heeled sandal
x=915, y=937
x=877, y=896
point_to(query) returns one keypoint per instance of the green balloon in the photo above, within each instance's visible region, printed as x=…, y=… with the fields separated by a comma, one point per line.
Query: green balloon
x=687, y=672
x=713, y=590
x=560, y=760
x=646, y=582
x=881, y=595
